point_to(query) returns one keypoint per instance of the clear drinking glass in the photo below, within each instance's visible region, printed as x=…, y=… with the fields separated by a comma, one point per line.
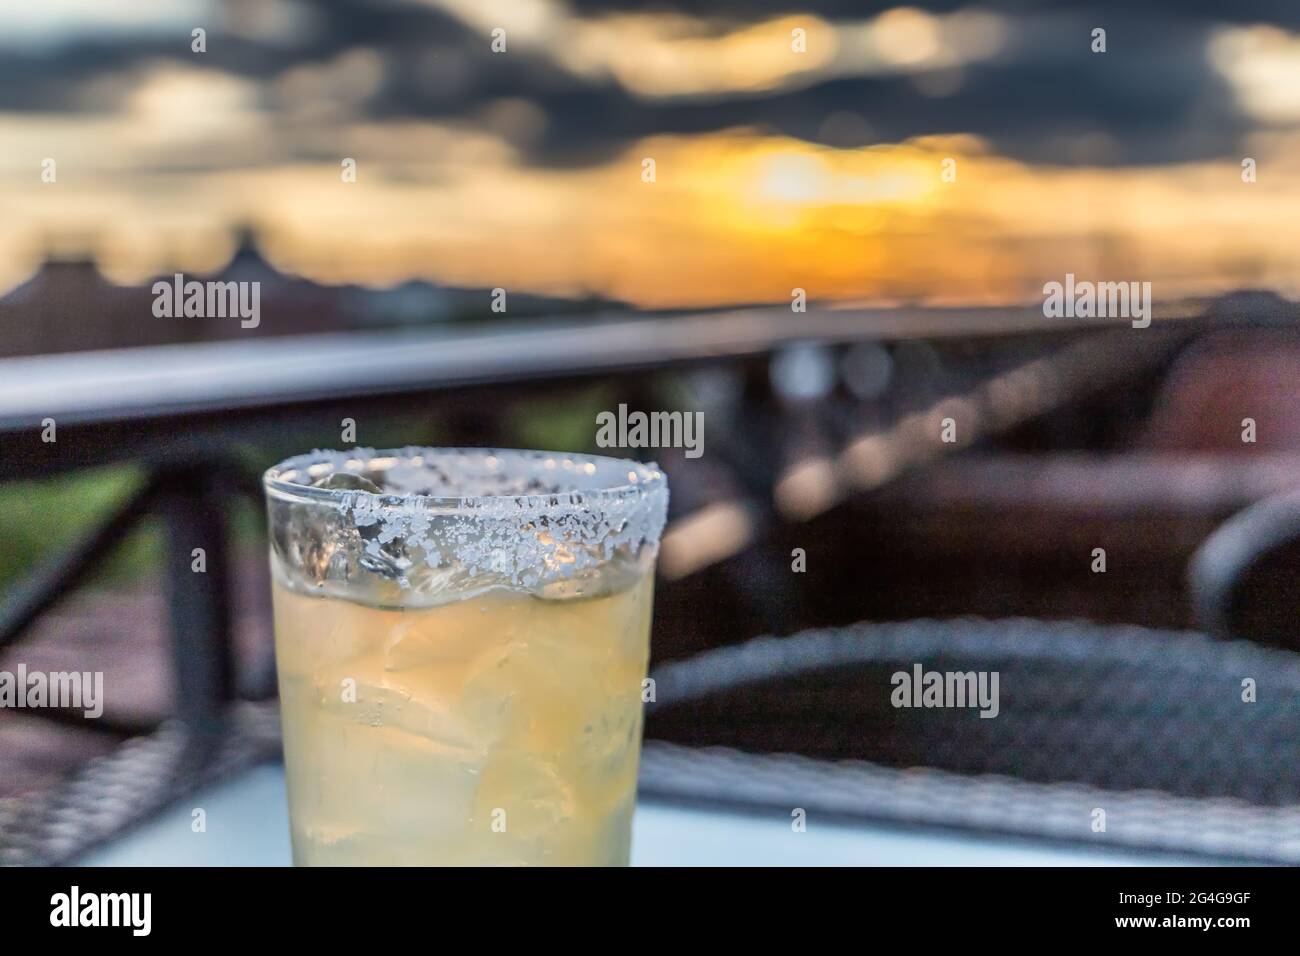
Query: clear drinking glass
x=462, y=638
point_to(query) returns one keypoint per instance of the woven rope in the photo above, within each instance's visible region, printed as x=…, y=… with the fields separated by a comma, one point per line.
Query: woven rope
x=1149, y=726
x=1115, y=718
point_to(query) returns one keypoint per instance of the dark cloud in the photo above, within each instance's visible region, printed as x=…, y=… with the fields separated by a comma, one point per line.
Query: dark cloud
x=1151, y=98
x=1145, y=101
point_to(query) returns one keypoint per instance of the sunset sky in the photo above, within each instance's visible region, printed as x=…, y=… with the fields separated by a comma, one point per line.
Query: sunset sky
x=775, y=167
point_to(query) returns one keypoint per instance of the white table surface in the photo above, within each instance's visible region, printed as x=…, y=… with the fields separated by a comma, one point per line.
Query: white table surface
x=248, y=825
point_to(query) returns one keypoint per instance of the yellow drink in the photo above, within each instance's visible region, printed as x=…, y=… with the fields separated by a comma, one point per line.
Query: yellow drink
x=501, y=729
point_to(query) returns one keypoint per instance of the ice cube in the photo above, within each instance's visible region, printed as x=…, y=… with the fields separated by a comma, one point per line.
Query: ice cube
x=530, y=789
x=417, y=707
x=347, y=481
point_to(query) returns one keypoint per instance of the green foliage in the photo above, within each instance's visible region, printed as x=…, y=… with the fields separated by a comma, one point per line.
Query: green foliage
x=560, y=423
x=40, y=518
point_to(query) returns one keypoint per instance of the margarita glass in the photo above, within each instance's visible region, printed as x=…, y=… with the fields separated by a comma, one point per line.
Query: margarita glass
x=461, y=639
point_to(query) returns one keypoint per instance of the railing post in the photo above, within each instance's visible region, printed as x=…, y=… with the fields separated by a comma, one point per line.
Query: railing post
x=197, y=575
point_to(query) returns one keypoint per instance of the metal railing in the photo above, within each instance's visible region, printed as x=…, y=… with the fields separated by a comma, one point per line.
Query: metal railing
x=182, y=411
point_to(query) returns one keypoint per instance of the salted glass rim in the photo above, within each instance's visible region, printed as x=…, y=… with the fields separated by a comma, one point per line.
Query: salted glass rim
x=286, y=480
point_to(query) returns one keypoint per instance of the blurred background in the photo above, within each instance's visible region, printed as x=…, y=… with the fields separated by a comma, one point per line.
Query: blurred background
x=652, y=190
